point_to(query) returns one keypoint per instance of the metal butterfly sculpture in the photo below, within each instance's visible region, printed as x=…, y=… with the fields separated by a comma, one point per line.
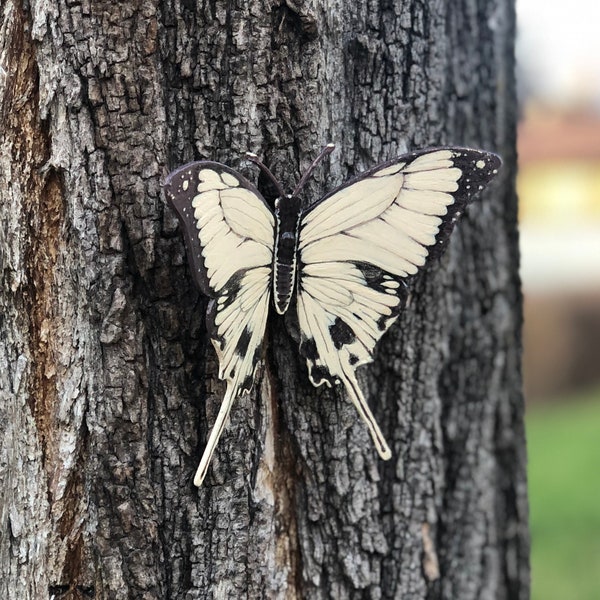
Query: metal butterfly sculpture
x=346, y=256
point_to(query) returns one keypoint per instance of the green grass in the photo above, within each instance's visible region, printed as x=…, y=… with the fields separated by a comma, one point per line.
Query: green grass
x=564, y=494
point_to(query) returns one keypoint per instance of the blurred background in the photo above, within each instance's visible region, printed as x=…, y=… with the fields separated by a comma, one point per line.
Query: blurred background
x=558, y=54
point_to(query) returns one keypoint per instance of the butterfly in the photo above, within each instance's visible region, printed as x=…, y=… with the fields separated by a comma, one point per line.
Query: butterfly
x=347, y=258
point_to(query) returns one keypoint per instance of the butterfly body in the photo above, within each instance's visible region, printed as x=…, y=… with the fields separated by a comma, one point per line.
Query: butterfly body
x=346, y=259
x=287, y=226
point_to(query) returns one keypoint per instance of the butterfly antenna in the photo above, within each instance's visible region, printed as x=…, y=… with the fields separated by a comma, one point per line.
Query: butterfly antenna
x=326, y=151
x=253, y=158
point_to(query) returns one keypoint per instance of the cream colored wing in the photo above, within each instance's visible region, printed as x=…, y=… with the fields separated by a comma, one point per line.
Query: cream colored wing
x=359, y=246
x=229, y=235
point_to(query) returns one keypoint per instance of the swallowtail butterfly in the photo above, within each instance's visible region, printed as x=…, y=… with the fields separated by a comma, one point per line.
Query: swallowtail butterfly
x=347, y=257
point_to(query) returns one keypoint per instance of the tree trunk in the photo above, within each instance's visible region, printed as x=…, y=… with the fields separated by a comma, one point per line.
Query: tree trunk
x=108, y=384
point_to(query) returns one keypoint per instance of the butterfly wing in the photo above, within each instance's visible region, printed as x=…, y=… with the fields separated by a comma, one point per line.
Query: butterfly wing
x=229, y=236
x=361, y=243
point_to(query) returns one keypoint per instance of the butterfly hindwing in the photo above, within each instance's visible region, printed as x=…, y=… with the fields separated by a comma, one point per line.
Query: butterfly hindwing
x=229, y=232
x=361, y=243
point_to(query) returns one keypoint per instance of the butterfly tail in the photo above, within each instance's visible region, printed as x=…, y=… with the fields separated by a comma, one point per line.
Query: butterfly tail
x=215, y=434
x=356, y=395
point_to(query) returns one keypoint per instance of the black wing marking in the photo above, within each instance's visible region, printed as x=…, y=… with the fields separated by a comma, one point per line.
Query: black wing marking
x=229, y=235
x=361, y=243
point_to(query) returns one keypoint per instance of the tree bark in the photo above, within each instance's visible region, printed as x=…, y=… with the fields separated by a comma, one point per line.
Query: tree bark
x=108, y=384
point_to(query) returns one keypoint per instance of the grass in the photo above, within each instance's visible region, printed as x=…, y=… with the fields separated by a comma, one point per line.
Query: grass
x=564, y=493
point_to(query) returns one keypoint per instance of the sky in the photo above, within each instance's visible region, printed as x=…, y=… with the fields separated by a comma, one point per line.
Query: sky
x=558, y=47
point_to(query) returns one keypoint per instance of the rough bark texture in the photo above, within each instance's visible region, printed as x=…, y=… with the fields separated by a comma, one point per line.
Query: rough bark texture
x=107, y=383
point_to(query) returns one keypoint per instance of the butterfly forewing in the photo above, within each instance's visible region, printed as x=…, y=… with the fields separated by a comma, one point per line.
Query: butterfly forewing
x=360, y=244
x=229, y=234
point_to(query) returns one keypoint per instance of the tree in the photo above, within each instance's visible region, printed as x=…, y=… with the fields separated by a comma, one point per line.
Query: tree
x=108, y=383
